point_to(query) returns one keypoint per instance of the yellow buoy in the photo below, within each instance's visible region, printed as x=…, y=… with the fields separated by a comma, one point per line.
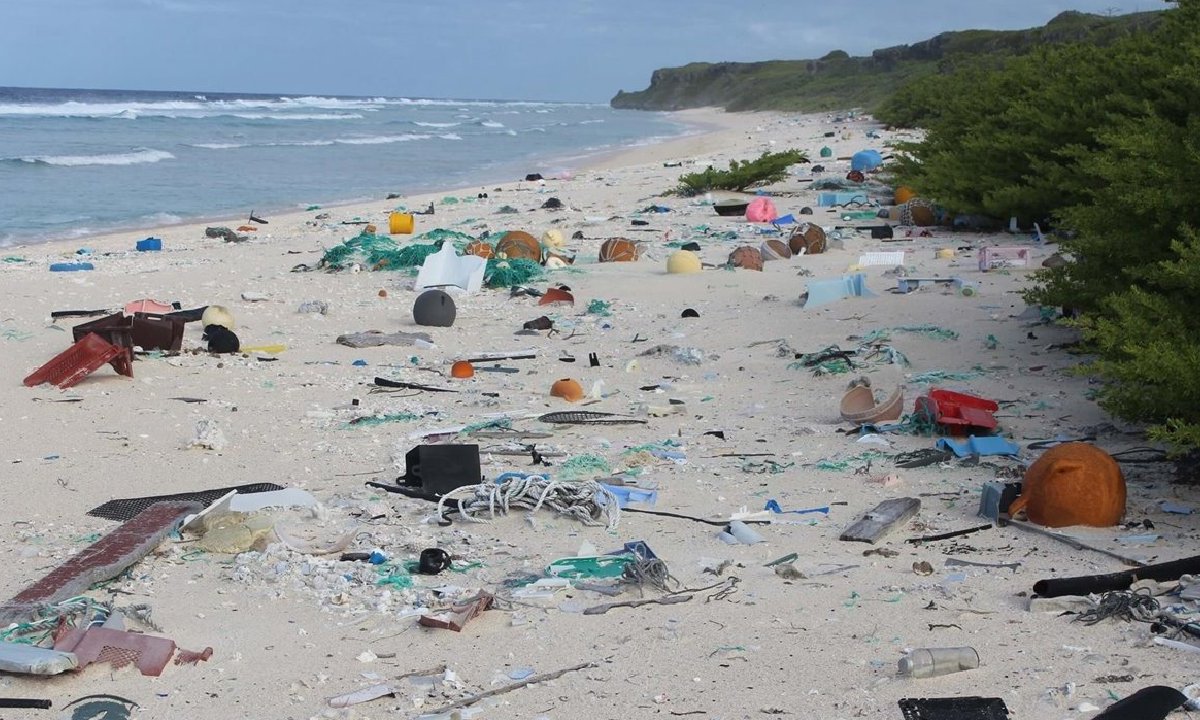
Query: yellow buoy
x=683, y=262
x=400, y=223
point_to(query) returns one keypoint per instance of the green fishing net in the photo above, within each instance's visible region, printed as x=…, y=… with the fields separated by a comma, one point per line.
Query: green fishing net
x=377, y=252
x=509, y=273
x=441, y=235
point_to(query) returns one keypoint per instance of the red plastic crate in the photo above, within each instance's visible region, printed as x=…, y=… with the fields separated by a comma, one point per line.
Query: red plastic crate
x=957, y=411
x=80, y=360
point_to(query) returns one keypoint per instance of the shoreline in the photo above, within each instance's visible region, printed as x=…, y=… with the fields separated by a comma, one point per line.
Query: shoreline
x=697, y=123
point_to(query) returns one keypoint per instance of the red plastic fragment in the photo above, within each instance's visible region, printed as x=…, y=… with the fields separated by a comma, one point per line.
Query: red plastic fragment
x=118, y=647
x=459, y=614
x=191, y=657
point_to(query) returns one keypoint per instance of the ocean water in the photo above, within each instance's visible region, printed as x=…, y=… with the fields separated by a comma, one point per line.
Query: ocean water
x=80, y=162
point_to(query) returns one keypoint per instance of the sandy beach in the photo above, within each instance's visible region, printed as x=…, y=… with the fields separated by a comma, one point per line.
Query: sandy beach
x=730, y=423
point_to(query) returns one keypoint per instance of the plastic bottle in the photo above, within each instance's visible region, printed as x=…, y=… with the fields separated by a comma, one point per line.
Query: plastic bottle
x=933, y=662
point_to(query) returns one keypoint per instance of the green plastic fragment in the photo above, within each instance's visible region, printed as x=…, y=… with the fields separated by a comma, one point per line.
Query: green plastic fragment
x=596, y=567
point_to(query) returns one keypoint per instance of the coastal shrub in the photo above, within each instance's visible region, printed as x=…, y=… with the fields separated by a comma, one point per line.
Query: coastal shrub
x=1135, y=270
x=768, y=168
x=1006, y=143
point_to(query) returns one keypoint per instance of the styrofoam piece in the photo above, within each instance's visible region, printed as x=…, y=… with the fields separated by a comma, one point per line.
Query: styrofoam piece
x=881, y=258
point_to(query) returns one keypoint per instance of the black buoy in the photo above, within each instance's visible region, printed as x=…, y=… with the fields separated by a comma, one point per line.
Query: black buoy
x=689, y=313
x=434, y=308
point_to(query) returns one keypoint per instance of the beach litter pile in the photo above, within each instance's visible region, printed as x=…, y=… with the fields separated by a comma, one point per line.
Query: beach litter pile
x=649, y=454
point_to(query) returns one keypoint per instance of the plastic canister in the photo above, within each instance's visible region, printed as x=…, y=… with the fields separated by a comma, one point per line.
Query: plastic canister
x=933, y=662
x=400, y=223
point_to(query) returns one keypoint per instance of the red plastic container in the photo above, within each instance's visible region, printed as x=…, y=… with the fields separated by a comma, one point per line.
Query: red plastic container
x=957, y=412
x=80, y=360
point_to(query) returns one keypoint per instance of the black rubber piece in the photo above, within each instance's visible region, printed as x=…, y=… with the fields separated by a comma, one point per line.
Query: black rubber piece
x=1087, y=584
x=1150, y=703
x=960, y=708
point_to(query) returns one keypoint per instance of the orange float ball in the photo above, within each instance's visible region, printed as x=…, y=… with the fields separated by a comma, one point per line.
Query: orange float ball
x=567, y=389
x=462, y=370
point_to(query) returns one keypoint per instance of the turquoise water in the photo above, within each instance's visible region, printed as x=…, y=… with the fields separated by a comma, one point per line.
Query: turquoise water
x=79, y=162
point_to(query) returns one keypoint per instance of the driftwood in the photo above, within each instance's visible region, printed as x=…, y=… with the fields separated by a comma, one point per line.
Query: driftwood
x=885, y=517
x=509, y=688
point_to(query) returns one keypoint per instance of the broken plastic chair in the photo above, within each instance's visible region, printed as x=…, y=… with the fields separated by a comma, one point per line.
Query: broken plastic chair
x=447, y=268
x=822, y=292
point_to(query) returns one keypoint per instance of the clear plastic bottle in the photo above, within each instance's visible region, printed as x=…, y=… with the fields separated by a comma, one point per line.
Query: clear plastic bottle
x=932, y=662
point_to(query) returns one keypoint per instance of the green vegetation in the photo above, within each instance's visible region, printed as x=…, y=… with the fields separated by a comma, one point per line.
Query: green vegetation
x=1104, y=144
x=838, y=81
x=768, y=168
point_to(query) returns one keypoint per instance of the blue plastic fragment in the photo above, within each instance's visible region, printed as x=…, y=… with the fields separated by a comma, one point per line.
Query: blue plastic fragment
x=986, y=445
x=773, y=506
x=626, y=495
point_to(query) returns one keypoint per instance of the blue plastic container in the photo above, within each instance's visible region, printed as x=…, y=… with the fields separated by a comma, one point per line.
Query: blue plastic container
x=150, y=244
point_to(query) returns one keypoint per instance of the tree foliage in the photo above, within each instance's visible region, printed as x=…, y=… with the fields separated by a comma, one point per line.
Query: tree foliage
x=768, y=168
x=1105, y=144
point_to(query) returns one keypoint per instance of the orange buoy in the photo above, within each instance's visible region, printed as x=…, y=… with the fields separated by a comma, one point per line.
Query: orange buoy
x=518, y=244
x=462, y=370
x=567, y=389
x=747, y=258
x=807, y=239
x=479, y=249
x=904, y=193
x=775, y=250
x=619, y=250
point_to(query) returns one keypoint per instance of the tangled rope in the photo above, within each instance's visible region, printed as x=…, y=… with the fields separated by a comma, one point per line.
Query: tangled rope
x=589, y=501
x=649, y=571
x=1123, y=604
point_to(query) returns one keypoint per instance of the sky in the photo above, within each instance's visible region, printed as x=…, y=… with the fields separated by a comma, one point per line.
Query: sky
x=552, y=50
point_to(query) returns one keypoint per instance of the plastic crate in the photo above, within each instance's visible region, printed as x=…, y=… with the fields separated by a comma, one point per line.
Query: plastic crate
x=80, y=360
x=957, y=412
x=145, y=330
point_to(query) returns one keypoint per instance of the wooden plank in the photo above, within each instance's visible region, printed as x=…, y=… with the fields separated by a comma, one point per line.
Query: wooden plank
x=885, y=517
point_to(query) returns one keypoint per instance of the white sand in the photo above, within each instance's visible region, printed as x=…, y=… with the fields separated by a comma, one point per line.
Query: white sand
x=824, y=646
